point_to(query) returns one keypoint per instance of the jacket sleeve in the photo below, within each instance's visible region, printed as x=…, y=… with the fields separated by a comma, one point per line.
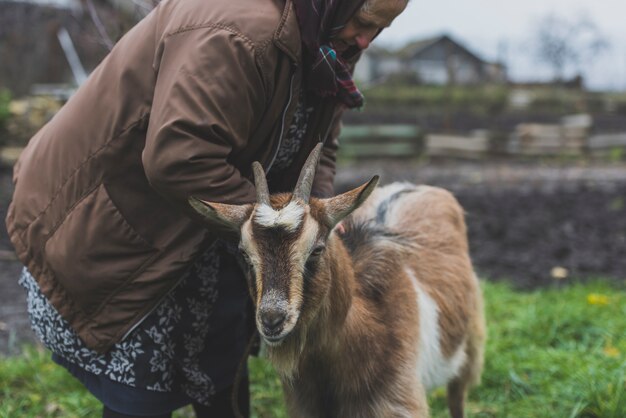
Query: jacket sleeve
x=207, y=101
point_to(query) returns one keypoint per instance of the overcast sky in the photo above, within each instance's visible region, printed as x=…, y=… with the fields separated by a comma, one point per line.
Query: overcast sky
x=503, y=30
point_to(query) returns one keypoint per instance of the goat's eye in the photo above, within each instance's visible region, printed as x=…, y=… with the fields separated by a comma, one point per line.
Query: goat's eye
x=311, y=263
x=317, y=251
x=244, y=256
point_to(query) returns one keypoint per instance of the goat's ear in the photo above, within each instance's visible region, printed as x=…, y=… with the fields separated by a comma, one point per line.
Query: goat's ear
x=231, y=216
x=338, y=207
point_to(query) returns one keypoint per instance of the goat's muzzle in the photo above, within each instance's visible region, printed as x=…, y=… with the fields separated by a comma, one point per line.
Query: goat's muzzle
x=273, y=318
x=273, y=321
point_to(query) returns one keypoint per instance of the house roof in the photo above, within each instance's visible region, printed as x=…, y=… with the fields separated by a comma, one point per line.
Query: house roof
x=415, y=48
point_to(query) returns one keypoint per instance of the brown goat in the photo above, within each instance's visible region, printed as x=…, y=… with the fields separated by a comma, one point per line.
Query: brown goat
x=361, y=324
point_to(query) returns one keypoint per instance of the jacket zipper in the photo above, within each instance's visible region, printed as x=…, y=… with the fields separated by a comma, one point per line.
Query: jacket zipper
x=282, y=126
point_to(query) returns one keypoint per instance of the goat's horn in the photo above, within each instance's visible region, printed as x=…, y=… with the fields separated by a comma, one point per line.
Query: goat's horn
x=302, y=191
x=260, y=182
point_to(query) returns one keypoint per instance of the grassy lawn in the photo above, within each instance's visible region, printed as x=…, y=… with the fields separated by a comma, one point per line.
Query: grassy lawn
x=551, y=353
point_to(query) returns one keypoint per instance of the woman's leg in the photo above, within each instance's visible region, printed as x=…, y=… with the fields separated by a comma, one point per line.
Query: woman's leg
x=107, y=413
x=222, y=404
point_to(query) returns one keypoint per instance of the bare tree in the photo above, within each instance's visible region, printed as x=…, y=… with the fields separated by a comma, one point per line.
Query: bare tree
x=564, y=44
x=102, y=31
x=128, y=12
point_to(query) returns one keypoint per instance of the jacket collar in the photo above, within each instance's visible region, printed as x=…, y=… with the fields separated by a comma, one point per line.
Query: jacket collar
x=287, y=36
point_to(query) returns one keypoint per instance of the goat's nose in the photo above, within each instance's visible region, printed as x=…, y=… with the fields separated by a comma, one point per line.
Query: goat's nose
x=272, y=320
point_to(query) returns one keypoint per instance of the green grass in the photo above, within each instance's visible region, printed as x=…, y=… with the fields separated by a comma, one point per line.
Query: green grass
x=551, y=353
x=557, y=353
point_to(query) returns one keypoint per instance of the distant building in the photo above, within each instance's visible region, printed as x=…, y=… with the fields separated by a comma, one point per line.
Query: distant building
x=440, y=60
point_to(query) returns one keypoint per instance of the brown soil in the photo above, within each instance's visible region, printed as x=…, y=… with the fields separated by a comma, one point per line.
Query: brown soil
x=526, y=219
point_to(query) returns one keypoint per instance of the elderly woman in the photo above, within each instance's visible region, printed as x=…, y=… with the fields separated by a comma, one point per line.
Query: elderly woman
x=141, y=304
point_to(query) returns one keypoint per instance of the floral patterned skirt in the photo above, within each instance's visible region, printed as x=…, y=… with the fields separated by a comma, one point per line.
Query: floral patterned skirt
x=191, y=344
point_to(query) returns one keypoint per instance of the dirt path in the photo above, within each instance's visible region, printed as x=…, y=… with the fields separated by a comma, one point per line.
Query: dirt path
x=531, y=224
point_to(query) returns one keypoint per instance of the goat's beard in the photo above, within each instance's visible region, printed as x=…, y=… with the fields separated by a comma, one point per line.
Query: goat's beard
x=286, y=355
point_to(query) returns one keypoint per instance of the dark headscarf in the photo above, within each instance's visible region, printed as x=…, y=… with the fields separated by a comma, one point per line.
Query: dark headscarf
x=327, y=73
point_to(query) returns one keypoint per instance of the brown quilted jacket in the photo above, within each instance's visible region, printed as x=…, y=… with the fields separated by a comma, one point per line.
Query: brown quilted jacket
x=182, y=106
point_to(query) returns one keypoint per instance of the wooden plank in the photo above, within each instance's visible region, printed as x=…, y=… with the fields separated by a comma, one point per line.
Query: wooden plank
x=569, y=137
x=469, y=143
x=380, y=141
x=582, y=120
x=456, y=146
x=607, y=141
x=365, y=131
x=376, y=140
x=379, y=150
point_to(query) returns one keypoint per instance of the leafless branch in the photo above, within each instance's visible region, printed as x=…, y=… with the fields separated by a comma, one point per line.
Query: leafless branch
x=145, y=6
x=106, y=39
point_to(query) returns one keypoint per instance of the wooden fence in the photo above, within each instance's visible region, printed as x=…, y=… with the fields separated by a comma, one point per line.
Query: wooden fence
x=573, y=137
x=409, y=141
x=381, y=141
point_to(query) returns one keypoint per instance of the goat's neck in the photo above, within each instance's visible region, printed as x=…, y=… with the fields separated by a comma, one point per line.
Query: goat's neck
x=339, y=355
x=335, y=309
x=345, y=314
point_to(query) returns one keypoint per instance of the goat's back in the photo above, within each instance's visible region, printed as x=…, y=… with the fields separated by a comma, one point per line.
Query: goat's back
x=431, y=222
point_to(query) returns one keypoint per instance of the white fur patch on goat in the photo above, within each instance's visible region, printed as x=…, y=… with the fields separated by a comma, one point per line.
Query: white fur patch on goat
x=434, y=370
x=288, y=217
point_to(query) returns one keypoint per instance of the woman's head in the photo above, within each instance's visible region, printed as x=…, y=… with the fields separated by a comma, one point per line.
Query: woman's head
x=333, y=31
x=366, y=23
